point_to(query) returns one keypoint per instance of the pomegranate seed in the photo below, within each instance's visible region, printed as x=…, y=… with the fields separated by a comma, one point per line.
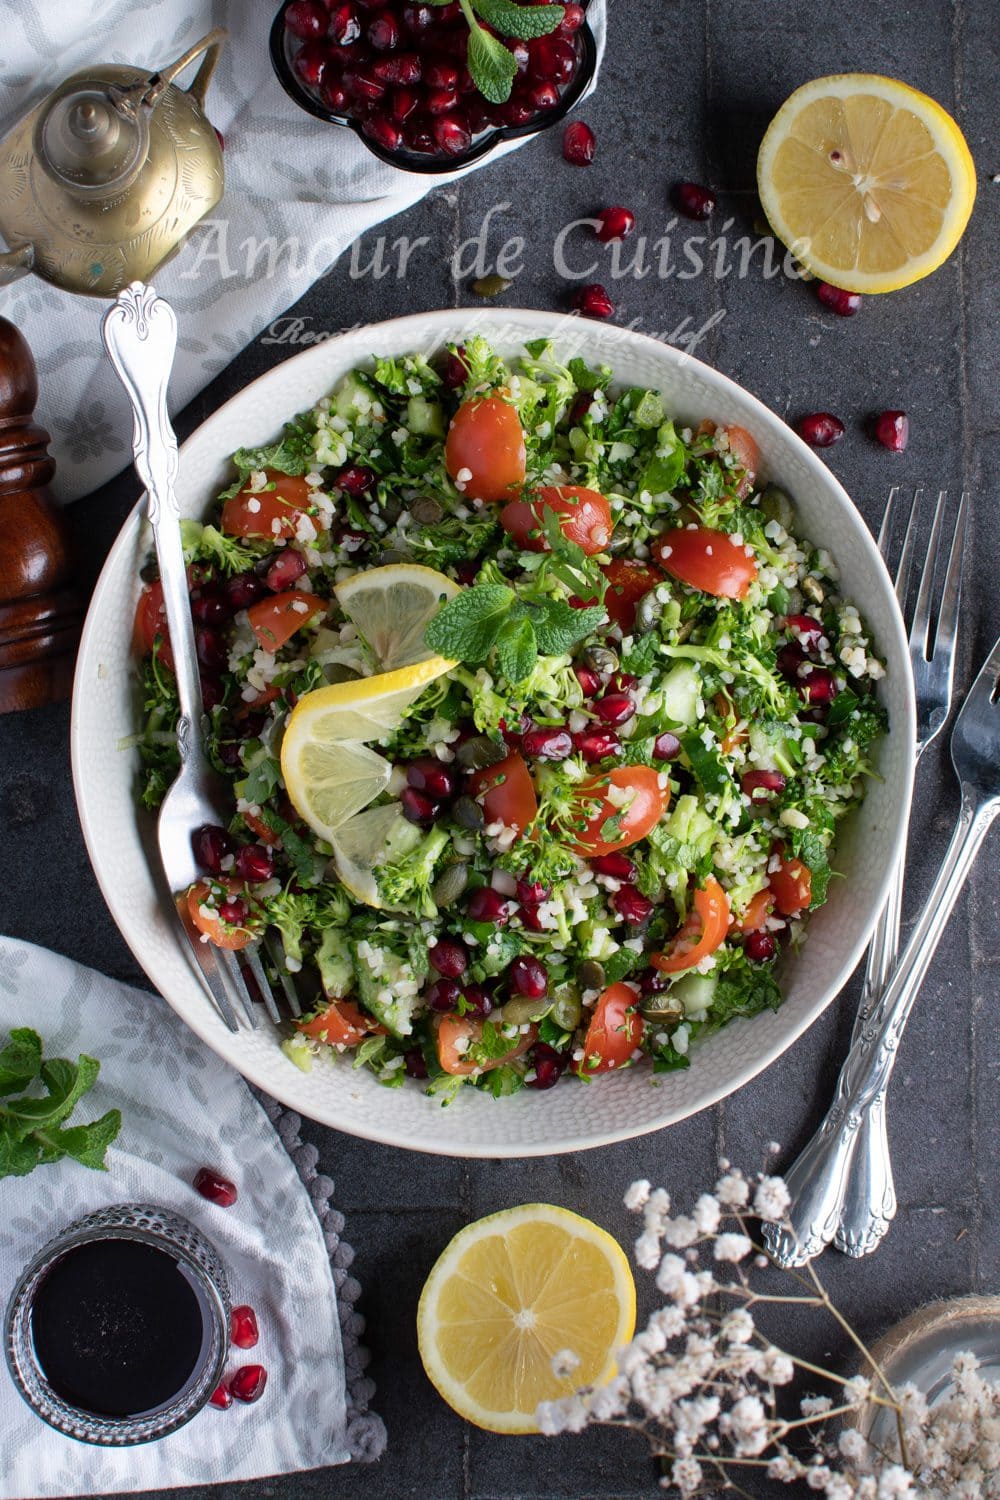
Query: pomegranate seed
x=593, y=301
x=543, y=96
x=243, y=1325
x=807, y=630
x=244, y=589
x=666, y=746
x=580, y=407
x=759, y=947
x=451, y=135
x=210, y=609
x=892, y=429
x=233, y=912
x=286, y=568
x=383, y=32
x=221, y=1398
x=310, y=64
x=441, y=101
x=415, y=1063
x=622, y=682
x=403, y=103
x=548, y=1065
x=229, y=754
x=631, y=906
x=693, y=200
x=517, y=111
x=819, y=686
x=210, y=844
x=617, y=865
x=441, y=75
x=487, y=905
x=579, y=144
x=306, y=19
x=548, y=744
x=344, y=27
x=521, y=55
x=216, y=1188
x=248, y=1383
x=652, y=982
x=844, y=304
x=213, y=654
x=383, y=131
x=528, y=977
x=615, y=708
x=820, y=429
x=530, y=918
x=532, y=892
x=551, y=59
x=790, y=661
x=254, y=863
x=430, y=776
x=418, y=17
x=406, y=68
x=573, y=18
x=477, y=1002
x=335, y=96
x=588, y=679
x=449, y=958
x=616, y=224
x=364, y=85
x=761, y=786
x=597, y=744
x=416, y=807
x=356, y=480
x=456, y=371
x=443, y=995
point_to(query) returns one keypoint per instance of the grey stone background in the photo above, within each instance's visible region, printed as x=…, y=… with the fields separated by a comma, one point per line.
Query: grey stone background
x=687, y=88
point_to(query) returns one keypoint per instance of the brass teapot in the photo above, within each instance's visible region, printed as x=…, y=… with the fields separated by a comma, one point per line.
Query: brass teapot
x=105, y=178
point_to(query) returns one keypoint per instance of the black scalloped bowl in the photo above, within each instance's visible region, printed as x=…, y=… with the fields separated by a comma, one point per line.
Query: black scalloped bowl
x=412, y=161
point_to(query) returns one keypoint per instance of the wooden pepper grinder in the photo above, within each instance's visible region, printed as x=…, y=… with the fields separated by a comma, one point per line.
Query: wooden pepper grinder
x=39, y=613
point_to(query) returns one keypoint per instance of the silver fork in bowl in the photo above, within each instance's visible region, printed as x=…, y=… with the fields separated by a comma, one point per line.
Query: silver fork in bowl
x=841, y=1184
x=140, y=335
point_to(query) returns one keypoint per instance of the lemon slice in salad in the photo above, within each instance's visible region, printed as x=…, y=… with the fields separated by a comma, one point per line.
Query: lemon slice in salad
x=510, y=1292
x=869, y=182
x=392, y=607
x=361, y=843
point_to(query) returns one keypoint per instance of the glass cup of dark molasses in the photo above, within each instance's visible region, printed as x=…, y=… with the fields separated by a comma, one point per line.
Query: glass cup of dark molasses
x=118, y=1330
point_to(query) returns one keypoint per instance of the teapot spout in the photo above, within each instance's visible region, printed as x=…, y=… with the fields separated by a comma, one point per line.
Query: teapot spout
x=16, y=263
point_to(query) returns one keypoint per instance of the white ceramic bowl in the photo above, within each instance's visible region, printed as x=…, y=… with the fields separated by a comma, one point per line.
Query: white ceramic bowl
x=568, y=1118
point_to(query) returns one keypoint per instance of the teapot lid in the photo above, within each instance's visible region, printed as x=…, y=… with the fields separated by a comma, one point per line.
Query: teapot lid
x=94, y=138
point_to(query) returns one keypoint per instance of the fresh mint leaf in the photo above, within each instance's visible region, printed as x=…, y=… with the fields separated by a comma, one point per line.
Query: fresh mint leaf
x=517, y=650
x=521, y=21
x=559, y=627
x=492, y=65
x=31, y=1125
x=261, y=781
x=65, y=1084
x=621, y=963
x=809, y=847
x=743, y=992
x=20, y=1060
x=87, y=1144
x=292, y=454
x=663, y=474
x=308, y=864
x=467, y=627
x=18, y=1158
x=706, y=763
x=587, y=379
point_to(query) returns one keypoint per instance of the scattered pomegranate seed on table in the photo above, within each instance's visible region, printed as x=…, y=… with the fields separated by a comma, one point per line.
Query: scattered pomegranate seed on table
x=221, y=1397
x=693, y=200
x=616, y=223
x=593, y=301
x=820, y=429
x=579, y=144
x=213, y=1186
x=892, y=429
x=248, y=1383
x=243, y=1327
x=844, y=304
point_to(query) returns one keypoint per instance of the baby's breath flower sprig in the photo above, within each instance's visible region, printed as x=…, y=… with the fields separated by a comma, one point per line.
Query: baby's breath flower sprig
x=701, y=1381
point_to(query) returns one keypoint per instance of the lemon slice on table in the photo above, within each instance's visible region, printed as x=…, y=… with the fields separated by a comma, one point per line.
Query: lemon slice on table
x=508, y=1293
x=869, y=182
x=361, y=844
x=392, y=607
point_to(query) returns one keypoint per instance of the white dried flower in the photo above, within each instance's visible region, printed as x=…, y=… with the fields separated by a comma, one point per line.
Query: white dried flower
x=637, y=1195
x=815, y=1406
x=784, y=1468
x=745, y=1424
x=738, y=1326
x=706, y=1214
x=731, y=1247
x=732, y=1190
x=564, y=1363
x=686, y=1474
x=771, y=1199
x=680, y=1232
x=852, y=1445
x=671, y=1321
x=774, y=1366
x=893, y=1483
x=857, y=1390
x=647, y=1250
x=817, y=1477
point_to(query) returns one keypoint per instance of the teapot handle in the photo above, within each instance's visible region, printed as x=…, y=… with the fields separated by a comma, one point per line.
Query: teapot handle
x=211, y=45
x=16, y=263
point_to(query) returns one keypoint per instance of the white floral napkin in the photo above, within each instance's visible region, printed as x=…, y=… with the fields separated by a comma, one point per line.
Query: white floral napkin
x=183, y=1108
x=291, y=182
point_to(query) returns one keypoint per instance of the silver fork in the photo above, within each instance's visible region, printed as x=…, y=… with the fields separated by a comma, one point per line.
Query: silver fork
x=841, y=1184
x=140, y=335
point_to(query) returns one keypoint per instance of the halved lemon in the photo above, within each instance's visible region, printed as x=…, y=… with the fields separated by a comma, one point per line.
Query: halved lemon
x=867, y=181
x=363, y=842
x=508, y=1293
x=392, y=607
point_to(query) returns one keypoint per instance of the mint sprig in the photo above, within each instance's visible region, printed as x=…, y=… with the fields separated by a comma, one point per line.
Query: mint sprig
x=492, y=65
x=39, y=1097
x=491, y=618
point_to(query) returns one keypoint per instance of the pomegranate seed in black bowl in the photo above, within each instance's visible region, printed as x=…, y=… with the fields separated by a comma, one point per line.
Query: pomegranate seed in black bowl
x=381, y=76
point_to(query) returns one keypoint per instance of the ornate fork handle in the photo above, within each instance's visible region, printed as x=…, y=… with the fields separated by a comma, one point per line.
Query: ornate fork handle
x=817, y=1179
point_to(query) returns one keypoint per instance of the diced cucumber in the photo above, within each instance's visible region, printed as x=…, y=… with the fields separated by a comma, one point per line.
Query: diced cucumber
x=354, y=395
x=681, y=691
x=689, y=823
x=772, y=754
x=333, y=958
x=425, y=418
x=695, y=992
x=649, y=411
x=380, y=991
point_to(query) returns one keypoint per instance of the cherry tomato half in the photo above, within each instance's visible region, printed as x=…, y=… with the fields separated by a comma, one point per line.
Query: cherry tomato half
x=510, y=792
x=629, y=580
x=614, y=1032
x=486, y=438
x=633, y=819
x=744, y=449
x=200, y=915
x=455, y=1029
x=272, y=512
x=584, y=517
x=791, y=887
x=703, y=932
x=275, y=620
x=340, y=1024
x=706, y=559
x=150, y=622
x=758, y=909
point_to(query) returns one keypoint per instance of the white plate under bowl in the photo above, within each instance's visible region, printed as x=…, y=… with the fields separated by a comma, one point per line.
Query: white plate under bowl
x=569, y=1117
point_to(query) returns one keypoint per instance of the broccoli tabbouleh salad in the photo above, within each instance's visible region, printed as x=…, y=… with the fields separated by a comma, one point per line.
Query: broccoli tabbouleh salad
x=539, y=719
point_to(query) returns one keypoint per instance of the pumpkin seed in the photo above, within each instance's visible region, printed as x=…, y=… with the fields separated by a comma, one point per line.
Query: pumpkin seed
x=516, y=1012
x=468, y=814
x=426, y=510
x=591, y=974
x=479, y=752
x=450, y=884
x=601, y=659
x=491, y=286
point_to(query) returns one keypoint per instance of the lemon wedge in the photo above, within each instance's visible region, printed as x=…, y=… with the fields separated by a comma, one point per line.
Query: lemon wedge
x=329, y=782
x=363, y=842
x=392, y=607
x=869, y=182
x=508, y=1293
